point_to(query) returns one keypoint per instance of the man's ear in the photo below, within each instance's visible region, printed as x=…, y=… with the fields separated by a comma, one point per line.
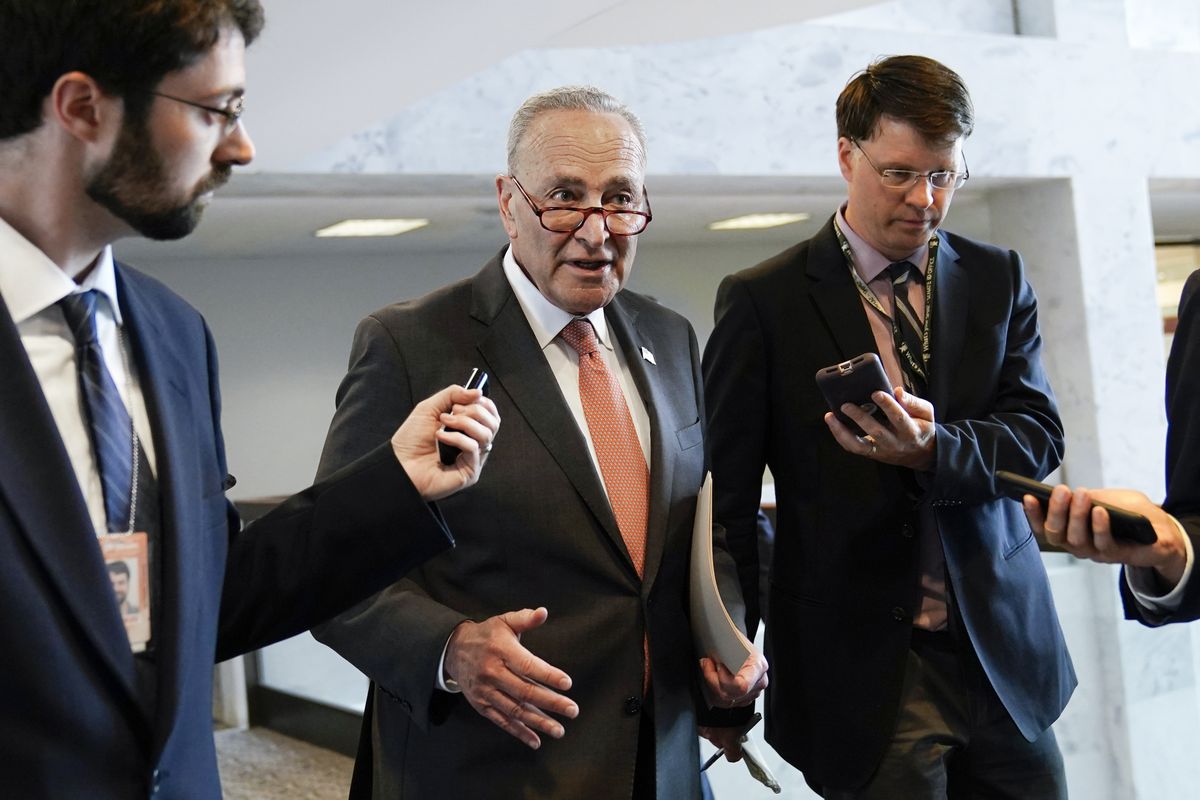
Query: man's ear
x=504, y=197
x=845, y=156
x=79, y=106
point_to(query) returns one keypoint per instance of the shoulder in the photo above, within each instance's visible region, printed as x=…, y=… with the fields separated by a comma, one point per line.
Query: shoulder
x=144, y=296
x=449, y=299
x=973, y=252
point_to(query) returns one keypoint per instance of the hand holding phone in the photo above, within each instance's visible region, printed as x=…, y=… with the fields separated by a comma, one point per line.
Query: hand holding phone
x=478, y=379
x=854, y=382
x=1126, y=525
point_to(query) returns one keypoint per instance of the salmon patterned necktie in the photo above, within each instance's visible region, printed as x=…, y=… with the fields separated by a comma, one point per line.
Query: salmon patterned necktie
x=622, y=461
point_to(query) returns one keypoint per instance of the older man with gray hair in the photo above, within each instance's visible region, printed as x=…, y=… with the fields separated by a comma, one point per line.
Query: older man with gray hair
x=550, y=654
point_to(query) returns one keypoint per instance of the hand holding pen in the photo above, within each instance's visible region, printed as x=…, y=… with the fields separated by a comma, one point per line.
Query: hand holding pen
x=728, y=740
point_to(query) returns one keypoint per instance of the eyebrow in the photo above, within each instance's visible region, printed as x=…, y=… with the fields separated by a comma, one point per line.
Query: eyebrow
x=618, y=184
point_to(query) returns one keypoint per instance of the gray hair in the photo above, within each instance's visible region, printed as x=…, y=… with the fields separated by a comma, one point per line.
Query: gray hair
x=567, y=98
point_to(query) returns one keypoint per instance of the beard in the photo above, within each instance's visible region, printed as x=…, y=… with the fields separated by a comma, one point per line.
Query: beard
x=132, y=185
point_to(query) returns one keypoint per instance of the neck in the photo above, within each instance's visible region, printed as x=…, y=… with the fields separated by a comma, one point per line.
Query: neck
x=43, y=197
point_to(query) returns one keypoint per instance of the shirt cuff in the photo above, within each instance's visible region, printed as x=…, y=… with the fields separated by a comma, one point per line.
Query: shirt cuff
x=1143, y=582
x=449, y=684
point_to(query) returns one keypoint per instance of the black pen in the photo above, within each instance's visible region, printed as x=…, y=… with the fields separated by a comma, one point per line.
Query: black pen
x=721, y=750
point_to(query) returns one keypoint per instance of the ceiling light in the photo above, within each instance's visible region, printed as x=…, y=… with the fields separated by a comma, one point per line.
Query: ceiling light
x=372, y=227
x=754, y=222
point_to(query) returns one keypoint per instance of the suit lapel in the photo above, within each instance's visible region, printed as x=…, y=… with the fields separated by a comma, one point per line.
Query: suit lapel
x=631, y=335
x=515, y=361
x=949, y=322
x=39, y=487
x=163, y=376
x=837, y=301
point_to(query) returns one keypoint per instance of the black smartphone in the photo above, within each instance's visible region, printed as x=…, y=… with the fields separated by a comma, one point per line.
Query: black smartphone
x=477, y=380
x=854, y=381
x=1126, y=525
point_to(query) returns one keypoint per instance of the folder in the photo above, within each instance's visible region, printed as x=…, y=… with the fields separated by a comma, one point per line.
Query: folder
x=714, y=631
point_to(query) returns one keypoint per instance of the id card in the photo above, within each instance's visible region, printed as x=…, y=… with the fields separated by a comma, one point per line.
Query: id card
x=127, y=557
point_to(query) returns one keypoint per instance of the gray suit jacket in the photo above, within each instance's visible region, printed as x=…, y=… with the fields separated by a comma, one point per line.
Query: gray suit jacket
x=537, y=530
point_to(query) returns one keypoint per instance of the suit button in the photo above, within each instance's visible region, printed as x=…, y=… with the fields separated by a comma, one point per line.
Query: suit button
x=906, y=531
x=632, y=706
x=899, y=614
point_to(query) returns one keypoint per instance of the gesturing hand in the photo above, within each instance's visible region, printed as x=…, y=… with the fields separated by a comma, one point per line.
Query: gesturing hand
x=506, y=683
x=471, y=422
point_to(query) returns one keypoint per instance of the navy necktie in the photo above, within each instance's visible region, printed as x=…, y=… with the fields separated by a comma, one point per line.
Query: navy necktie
x=907, y=331
x=108, y=419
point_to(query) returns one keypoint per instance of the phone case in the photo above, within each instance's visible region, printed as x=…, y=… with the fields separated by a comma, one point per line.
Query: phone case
x=853, y=382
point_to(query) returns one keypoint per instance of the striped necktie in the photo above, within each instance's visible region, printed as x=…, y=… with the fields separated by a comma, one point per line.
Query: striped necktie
x=907, y=331
x=108, y=420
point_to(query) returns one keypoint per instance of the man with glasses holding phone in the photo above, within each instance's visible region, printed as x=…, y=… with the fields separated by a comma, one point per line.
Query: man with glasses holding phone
x=915, y=647
x=550, y=654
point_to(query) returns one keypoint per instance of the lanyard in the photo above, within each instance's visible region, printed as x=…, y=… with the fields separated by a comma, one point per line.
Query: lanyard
x=919, y=369
x=122, y=343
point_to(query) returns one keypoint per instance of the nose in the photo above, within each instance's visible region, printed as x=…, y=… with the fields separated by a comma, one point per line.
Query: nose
x=236, y=147
x=593, y=232
x=920, y=194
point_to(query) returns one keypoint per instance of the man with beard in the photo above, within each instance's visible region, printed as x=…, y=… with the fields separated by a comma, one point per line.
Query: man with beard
x=915, y=646
x=119, y=118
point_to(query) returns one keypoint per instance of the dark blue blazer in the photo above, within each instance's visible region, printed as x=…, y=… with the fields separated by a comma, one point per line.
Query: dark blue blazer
x=71, y=722
x=845, y=576
x=1183, y=450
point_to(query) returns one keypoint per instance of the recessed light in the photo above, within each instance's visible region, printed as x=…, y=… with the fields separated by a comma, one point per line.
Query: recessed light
x=754, y=222
x=371, y=227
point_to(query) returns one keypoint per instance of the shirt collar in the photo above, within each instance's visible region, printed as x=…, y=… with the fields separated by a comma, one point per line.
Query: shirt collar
x=30, y=282
x=869, y=262
x=546, y=319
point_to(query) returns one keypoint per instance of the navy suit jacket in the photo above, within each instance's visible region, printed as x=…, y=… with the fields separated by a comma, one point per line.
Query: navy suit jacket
x=1183, y=451
x=72, y=723
x=845, y=576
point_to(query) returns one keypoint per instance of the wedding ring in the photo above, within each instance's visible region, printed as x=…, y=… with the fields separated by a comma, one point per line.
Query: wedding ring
x=487, y=448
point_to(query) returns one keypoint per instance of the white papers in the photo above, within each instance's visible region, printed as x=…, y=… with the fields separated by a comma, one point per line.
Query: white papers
x=715, y=633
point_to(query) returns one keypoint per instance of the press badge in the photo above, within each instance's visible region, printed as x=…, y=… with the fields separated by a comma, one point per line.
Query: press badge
x=127, y=559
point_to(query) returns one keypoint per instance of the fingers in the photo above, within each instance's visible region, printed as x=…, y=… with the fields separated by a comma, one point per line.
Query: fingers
x=727, y=739
x=907, y=440
x=727, y=690
x=506, y=683
x=470, y=427
x=471, y=422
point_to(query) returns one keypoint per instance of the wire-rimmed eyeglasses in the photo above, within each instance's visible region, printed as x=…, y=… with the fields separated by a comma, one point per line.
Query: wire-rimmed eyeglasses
x=905, y=178
x=231, y=113
x=617, y=221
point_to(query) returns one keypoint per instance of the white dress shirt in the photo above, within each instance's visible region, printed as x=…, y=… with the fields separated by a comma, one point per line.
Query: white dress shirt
x=1143, y=581
x=31, y=285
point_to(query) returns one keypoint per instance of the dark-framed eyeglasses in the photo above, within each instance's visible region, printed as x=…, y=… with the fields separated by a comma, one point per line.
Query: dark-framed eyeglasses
x=231, y=113
x=905, y=178
x=617, y=221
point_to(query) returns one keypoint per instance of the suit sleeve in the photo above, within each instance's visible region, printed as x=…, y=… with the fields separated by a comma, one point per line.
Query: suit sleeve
x=322, y=550
x=1021, y=431
x=1183, y=450
x=735, y=381
x=395, y=638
